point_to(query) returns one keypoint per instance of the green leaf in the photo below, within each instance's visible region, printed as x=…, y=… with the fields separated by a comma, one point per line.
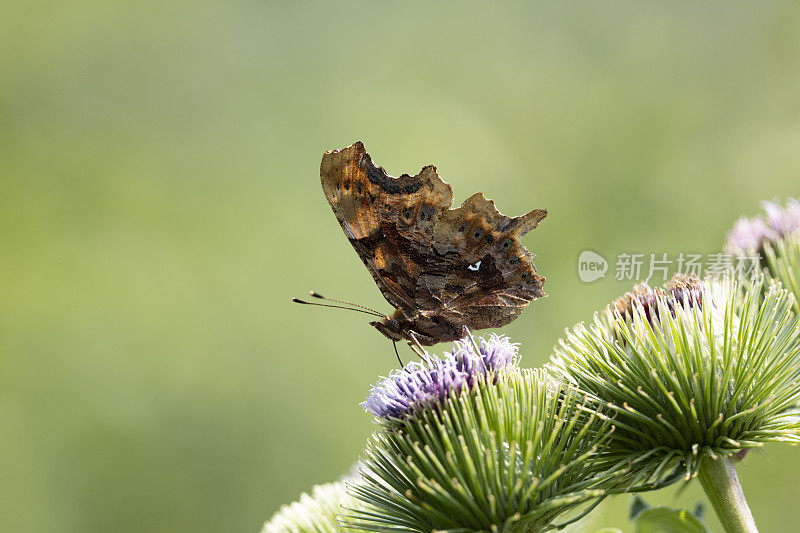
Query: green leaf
x=649, y=519
x=638, y=506
x=666, y=520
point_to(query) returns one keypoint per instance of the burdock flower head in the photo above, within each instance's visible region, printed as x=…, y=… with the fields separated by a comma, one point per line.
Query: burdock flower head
x=775, y=237
x=750, y=235
x=474, y=443
x=317, y=512
x=680, y=291
x=427, y=383
x=691, y=370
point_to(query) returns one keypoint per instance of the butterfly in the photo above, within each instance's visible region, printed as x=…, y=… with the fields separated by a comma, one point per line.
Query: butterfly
x=442, y=269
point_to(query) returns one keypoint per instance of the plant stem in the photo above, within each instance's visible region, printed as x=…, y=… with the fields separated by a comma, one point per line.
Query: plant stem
x=721, y=483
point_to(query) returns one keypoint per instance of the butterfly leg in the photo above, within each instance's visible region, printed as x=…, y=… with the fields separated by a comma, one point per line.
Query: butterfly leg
x=468, y=335
x=417, y=348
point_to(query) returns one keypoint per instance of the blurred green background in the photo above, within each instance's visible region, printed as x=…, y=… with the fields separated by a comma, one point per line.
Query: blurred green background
x=160, y=204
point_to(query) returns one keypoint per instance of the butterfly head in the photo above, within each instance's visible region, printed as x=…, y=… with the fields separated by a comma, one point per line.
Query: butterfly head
x=392, y=327
x=389, y=327
x=420, y=329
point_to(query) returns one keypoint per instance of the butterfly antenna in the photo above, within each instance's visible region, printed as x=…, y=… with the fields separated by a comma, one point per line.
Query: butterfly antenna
x=315, y=294
x=394, y=343
x=370, y=312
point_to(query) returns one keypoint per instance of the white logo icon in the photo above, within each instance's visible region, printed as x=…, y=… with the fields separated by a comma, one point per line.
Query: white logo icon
x=591, y=266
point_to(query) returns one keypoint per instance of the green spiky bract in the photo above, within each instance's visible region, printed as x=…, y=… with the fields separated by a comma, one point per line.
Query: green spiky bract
x=314, y=513
x=692, y=381
x=511, y=453
x=782, y=260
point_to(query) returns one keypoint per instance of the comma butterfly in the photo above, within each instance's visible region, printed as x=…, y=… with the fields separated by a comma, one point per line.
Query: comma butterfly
x=442, y=269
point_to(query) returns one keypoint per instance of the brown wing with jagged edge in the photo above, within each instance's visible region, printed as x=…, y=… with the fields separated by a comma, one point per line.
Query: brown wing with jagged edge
x=443, y=268
x=483, y=276
x=389, y=221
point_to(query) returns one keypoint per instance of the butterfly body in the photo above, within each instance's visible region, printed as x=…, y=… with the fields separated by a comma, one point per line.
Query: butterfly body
x=442, y=269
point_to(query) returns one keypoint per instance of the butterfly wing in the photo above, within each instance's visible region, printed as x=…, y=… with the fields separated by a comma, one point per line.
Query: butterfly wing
x=481, y=275
x=443, y=268
x=389, y=221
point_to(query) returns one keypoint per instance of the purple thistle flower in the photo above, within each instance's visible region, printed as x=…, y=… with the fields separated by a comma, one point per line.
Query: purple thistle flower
x=783, y=220
x=495, y=352
x=418, y=384
x=750, y=234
